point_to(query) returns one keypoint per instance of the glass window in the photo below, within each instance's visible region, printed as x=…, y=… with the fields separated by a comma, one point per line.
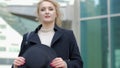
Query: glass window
x=90, y=8
x=13, y=49
x=2, y=37
x=2, y=48
x=94, y=43
x=115, y=6
x=115, y=38
x=2, y=26
x=5, y=61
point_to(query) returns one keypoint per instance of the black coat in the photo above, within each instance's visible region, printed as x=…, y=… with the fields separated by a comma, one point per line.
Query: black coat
x=63, y=43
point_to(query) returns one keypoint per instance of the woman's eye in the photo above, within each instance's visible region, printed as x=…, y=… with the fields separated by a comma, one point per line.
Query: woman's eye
x=42, y=9
x=50, y=9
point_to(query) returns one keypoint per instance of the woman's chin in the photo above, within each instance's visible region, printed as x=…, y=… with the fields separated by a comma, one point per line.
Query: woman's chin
x=48, y=21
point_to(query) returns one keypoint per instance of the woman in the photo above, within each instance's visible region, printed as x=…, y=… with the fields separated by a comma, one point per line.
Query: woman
x=48, y=33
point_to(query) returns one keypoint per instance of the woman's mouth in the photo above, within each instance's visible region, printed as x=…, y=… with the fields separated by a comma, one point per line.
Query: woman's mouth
x=47, y=16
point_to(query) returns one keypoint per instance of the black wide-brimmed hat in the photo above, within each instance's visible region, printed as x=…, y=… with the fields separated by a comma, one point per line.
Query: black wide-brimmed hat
x=38, y=56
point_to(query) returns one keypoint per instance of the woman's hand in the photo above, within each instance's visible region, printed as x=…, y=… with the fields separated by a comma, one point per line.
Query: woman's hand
x=19, y=61
x=58, y=63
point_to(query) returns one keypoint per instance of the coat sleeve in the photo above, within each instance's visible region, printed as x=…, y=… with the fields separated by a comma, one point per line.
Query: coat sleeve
x=23, y=45
x=75, y=60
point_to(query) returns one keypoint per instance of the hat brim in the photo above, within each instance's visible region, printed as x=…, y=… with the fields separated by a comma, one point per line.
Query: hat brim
x=38, y=56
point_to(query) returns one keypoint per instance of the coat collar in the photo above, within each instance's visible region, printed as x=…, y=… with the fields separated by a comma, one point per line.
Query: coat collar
x=34, y=38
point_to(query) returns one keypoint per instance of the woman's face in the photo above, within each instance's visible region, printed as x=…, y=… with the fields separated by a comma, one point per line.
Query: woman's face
x=47, y=12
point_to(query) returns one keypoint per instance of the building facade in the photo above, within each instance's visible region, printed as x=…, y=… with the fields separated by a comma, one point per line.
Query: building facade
x=99, y=32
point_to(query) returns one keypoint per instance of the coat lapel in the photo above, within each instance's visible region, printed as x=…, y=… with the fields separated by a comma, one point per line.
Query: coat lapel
x=58, y=34
x=34, y=38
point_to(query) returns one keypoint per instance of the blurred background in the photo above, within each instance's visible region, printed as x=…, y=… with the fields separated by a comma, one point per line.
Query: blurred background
x=96, y=25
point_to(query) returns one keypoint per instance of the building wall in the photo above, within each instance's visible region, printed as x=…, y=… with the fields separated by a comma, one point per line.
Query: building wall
x=99, y=33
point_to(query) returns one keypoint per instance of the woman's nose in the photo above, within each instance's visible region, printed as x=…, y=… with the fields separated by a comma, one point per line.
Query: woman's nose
x=47, y=11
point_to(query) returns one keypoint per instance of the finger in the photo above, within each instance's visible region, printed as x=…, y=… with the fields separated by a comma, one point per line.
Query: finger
x=56, y=60
x=17, y=62
x=22, y=58
x=58, y=64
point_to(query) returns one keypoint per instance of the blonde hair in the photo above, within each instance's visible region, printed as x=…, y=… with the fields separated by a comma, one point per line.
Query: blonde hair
x=58, y=18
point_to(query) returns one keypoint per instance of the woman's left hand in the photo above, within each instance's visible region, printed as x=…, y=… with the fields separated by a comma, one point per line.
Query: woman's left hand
x=58, y=63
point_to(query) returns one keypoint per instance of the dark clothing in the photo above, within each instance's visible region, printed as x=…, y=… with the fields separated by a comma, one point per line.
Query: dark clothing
x=38, y=56
x=63, y=43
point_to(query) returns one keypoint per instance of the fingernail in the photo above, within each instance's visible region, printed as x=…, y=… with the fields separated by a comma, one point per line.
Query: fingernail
x=50, y=64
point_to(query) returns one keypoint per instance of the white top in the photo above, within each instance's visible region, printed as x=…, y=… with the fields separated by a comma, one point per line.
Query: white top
x=46, y=36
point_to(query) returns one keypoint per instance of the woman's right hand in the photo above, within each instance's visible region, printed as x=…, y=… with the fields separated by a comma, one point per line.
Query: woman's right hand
x=19, y=61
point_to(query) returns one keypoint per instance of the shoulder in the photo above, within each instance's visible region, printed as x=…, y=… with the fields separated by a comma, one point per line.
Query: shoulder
x=62, y=29
x=26, y=35
x=33, y=31
x=67, y=31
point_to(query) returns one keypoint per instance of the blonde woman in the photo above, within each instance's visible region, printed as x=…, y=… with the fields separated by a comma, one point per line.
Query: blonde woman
x=49, y=33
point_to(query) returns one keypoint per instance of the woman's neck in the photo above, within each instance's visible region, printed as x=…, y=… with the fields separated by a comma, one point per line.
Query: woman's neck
x=47, y=25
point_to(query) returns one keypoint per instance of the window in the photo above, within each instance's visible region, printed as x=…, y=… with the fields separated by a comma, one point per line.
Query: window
x=115, y=6
x=94, y=43
x=115, y=38
x=2, y=48
x=2, y=26
x=2, y=37
x=90, y=8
